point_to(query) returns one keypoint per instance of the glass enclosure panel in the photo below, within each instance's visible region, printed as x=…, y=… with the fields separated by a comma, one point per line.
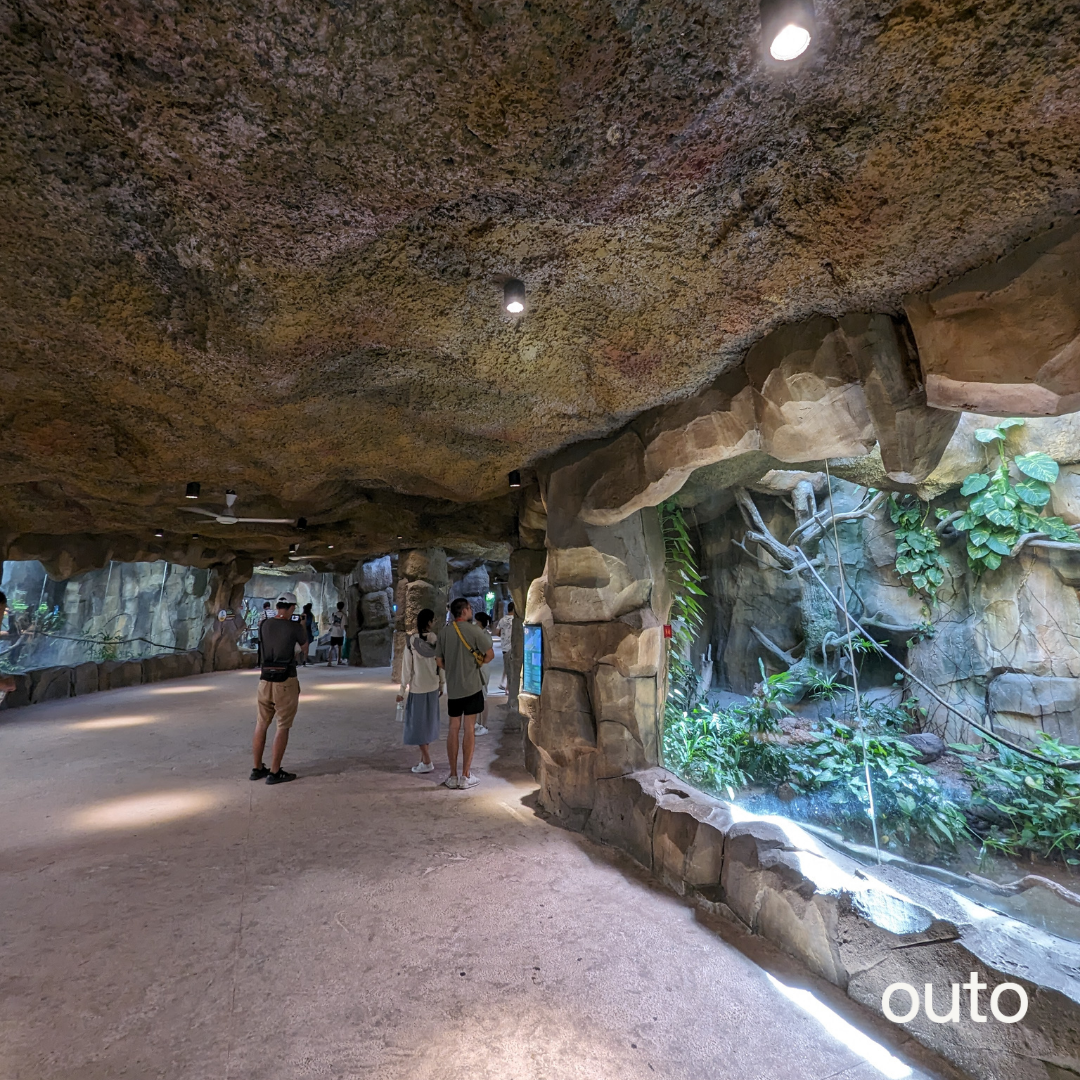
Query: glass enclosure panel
x=124, y=611
x=818, y=670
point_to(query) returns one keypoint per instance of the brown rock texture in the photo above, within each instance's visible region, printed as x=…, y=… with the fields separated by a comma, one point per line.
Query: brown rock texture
x=262, y=245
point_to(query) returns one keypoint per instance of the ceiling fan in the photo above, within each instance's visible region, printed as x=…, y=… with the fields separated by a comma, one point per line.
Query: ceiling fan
x=227, y=517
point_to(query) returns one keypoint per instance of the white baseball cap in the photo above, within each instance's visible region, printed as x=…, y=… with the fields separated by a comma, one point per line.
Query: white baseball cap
x=287, y=598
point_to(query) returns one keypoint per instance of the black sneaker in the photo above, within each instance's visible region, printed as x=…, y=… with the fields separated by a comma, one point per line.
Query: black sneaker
x=259, y=773
x=280, y=777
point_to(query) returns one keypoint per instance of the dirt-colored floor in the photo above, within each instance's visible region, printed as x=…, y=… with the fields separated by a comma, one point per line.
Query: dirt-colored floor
x=164, y=917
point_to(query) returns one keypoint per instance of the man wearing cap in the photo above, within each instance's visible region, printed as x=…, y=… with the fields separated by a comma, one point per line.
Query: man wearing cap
x=279, y=688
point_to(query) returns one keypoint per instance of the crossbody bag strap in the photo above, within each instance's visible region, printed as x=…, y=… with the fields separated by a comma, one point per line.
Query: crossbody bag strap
x=476, y=654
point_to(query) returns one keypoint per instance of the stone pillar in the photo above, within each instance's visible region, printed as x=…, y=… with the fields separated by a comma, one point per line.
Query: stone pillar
x=423, y=582
x=219, y=645
x=374, y=641
x=602, y=601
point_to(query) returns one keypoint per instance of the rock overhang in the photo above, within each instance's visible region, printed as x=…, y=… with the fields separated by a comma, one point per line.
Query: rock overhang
x=264, y=249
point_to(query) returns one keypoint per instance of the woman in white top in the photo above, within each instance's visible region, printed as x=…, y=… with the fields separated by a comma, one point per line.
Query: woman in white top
x=422, y=681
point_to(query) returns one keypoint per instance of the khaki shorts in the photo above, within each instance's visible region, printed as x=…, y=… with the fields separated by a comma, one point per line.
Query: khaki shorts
x=279, y=699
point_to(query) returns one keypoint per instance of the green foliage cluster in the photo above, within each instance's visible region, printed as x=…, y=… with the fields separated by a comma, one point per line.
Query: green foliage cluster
x=1038, y=803
x=687, y=614
x=1000, y=511
x=728, y=749
x=908, y=800
x=918, y=546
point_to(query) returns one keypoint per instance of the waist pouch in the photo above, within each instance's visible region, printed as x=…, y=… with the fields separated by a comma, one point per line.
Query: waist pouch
x=275, y=673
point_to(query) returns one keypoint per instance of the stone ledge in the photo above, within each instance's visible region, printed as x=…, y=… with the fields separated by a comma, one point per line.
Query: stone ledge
x=862, y=928
x=50, y=684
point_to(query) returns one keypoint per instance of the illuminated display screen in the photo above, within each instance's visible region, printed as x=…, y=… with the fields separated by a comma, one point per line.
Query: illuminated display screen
x=533, y=661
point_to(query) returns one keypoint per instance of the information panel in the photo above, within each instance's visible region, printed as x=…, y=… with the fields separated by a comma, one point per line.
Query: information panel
x=533, y=666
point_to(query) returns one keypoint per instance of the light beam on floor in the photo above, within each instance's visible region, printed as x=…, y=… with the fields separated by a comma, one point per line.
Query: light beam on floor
x=139, y=810
x=870, y=1051
x=180, y=690
x=104, y=723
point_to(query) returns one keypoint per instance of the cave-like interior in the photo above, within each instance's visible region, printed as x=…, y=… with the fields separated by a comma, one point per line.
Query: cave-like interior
x=736, y=345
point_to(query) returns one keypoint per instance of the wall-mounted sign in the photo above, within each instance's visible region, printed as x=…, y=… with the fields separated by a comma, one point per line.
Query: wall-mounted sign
x=533, y=666
x=667, y=630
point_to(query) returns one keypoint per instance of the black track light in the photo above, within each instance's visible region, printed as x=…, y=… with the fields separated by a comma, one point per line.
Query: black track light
x=787, y=28
x=159, y=533
x=514, y=296
x=301, y=524
x=294, y=548
x=192, y=490
x=515, y=479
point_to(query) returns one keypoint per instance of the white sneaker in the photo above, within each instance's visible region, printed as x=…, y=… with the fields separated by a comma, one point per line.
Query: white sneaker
x=468, y=781
x=451, y=782
x=480, y=730
x=423, y=766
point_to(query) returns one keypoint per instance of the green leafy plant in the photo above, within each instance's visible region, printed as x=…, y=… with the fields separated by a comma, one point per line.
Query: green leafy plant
x=1039, y=802
x=725, y=750
x=908, y=800
x=1000, y=513
x=687, y=613
x=918, y=546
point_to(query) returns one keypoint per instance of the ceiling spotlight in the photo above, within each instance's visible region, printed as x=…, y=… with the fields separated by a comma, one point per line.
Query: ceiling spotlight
x=301, y=524
x=787, y=27
x=192, y=490
x=514, y=296
x=330, y=546
x=159, y=533
x=294, y=548
x=515, y=479
x=194, y=536
x=400, y=538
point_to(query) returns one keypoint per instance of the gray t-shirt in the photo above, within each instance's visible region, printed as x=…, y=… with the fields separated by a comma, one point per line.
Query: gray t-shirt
x=462, y=673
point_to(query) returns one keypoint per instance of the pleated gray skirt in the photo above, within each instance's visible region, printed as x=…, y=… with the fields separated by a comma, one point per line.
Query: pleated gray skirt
x=422, y=718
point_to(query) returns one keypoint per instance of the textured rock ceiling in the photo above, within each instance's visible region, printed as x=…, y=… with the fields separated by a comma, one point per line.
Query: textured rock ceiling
x=261, y=245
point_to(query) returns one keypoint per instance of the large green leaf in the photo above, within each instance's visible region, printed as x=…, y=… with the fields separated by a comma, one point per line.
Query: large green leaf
x=979, y=536
x=992, y=560
x=988, y=434
x=995, y=543
x=1012, y=421
x=1038, y=466
x=977, y=552
x=1033, y=492
x=1005, y=518
x=973, y=483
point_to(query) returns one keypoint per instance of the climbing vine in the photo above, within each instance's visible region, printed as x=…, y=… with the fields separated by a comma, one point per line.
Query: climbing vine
x=687, y=614
x=1003, y=517
x=918, y=546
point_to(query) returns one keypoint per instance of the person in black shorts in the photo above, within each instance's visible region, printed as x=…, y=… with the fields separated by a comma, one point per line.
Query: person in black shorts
x=337, y=633
x=462, y=649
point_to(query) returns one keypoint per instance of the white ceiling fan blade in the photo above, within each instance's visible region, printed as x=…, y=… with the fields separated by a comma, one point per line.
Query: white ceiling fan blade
x=265, y=521
x=197, y=510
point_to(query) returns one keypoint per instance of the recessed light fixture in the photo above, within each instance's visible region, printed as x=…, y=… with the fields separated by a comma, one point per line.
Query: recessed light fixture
x=192, y=490
x=515, y=479
x=514, y=296
x=159, y=533
x=787, y=27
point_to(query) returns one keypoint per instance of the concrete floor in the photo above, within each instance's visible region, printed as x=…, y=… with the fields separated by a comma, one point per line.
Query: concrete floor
x=164, y=917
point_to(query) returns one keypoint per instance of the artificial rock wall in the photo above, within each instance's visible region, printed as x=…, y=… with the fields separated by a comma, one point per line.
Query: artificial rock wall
x=423, y=582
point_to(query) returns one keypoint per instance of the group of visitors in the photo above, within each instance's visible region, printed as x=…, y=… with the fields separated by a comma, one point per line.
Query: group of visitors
x=451, y=661
x=307, y=619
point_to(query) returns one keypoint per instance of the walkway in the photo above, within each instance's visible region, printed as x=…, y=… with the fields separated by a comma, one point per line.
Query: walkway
x=164, y=917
